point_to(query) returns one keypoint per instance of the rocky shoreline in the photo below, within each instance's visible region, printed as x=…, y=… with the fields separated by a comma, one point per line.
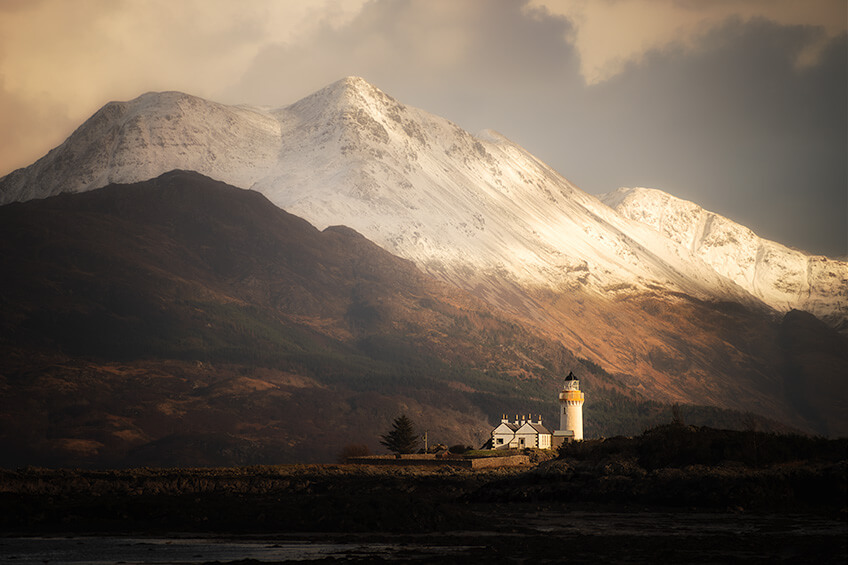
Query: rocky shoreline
x=601, y=497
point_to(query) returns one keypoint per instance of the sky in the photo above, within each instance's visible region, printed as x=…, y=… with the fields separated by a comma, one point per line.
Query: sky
x=740, y=106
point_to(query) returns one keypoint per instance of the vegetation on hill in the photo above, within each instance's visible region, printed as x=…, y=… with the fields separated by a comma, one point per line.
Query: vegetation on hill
x=402, y=438
x=668, y=466
x=181, y=321
x=687, y=466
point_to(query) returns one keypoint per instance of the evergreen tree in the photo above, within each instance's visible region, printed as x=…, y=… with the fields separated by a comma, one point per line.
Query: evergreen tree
x=402, y=437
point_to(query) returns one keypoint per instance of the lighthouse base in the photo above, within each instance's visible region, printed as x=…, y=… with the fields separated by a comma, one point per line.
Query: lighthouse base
x=560, y=437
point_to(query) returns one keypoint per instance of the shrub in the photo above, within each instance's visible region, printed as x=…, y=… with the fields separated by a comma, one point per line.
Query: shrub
x=402, y=438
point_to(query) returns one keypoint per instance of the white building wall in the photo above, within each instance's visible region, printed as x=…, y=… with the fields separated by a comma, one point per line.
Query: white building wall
x=573, y=416
x=502, y=441
x=502, y=437
x=529, y=438
x=526, y=435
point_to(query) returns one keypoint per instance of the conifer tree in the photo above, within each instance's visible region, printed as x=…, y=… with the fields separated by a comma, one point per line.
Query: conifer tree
x=402, y=437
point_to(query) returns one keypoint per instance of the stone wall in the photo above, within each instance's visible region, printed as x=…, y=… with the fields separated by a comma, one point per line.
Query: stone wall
x=430, y=460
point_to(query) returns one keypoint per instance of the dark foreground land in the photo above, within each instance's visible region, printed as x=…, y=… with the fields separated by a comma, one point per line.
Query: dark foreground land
x=674, y=494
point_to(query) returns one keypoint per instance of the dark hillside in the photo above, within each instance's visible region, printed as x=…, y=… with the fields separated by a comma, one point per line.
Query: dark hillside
x=182, y=321
x=816, y=368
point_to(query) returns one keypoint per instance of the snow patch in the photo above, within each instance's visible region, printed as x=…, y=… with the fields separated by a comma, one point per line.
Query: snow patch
x=782, y=277
x=462, y=207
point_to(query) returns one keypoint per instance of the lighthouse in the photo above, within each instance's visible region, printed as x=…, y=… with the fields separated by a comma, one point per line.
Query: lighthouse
x=571, y=411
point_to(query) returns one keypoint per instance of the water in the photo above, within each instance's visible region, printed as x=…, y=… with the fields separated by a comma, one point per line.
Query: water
x=519, y=533
x=103, y=550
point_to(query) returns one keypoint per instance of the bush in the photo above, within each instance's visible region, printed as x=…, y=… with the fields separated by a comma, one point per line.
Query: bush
x=402, y=438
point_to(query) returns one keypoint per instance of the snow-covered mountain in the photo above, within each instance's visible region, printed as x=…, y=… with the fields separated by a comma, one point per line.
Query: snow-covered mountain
x=782, y=277
x=646, y=290
x=461, y=207
x=468, y=209
x=157, y=132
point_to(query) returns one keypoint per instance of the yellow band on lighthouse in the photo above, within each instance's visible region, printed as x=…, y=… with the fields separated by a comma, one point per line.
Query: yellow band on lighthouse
x=571, y=395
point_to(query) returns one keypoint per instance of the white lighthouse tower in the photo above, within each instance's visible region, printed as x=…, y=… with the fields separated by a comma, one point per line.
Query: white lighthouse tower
x=571, y=413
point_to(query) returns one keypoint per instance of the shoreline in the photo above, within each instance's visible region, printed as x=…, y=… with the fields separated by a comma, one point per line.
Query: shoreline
x=675, y=494
x=578, y=536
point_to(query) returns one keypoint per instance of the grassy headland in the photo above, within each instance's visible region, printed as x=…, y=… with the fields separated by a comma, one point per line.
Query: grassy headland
x=668, y=466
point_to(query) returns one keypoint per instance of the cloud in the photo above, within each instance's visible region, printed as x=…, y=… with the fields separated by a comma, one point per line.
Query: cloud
x=610, y=34
x=711, y=106
x=107, y=45
x=736, y=127
x=29, y=125
x=80, y=55
x=736, y=105
x=465, y=60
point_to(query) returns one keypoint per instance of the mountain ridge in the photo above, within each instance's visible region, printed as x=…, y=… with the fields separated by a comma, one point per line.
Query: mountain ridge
x=416, y=184
x=477, y=213
x=144, y=322
x=784, y=277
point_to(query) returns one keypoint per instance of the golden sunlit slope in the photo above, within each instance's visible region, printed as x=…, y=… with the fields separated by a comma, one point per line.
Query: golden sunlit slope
x=184, y=321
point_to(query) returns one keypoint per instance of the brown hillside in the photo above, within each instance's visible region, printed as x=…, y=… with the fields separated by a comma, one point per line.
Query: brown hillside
x=181, y=321
x=151, y=321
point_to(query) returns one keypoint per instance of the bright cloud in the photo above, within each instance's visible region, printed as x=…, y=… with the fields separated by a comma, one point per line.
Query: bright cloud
x=78, y=55
x=609, y=34
x=736, y=104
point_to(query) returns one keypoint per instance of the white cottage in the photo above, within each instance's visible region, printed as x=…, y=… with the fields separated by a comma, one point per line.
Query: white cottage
x=523, y=432
x=533, y=434
x=503, y=436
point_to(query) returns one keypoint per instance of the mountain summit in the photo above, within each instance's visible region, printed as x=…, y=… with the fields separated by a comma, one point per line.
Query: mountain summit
x=464, y=208
x=656, y=298
x=638, y=283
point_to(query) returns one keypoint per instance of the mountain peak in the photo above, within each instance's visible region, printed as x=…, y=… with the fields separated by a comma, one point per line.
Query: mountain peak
x=354, y=82
x=349, y=92
x=464, y=208
x=160, y=96
x=157, y=102
x=355, y=86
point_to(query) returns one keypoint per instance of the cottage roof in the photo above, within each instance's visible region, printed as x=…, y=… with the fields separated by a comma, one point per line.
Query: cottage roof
x=510, y=425
x=541, y=429
x=538, y=428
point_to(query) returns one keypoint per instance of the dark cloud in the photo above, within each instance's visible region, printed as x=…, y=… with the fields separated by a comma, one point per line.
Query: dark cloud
x=737, y=128
x=418, y=50
x=733, y=125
